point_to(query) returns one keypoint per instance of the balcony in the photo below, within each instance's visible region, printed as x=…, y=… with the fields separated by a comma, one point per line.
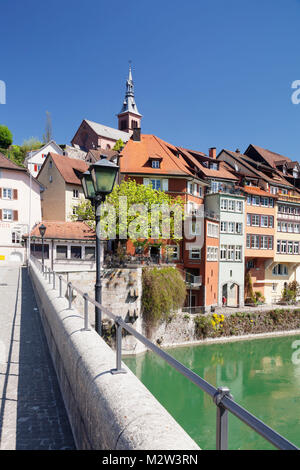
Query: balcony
x=193, y=281
x=288, y=198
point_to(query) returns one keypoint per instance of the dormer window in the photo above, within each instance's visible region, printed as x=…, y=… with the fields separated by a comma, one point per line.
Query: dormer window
x=155, y=164
x=213, y=166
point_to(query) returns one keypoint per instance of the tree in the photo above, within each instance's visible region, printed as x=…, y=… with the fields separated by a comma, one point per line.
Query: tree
x=17, y=154
x=138, y=218
x=6, y=137
x=48, y=130
x=118, y=145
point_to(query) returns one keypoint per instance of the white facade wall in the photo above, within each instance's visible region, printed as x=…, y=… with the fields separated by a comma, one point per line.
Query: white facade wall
x=231, y=273
x=28, y=209
x=35, y=162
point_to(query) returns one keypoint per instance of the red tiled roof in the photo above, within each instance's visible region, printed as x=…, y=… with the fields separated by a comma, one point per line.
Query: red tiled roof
x=137, y=153
x=257, y=191
x=64, y=230
x=9, y=165
x=269, y=156
x=66, y=167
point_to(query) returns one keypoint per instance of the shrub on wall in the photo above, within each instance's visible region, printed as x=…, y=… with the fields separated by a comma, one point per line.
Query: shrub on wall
x=164, y=291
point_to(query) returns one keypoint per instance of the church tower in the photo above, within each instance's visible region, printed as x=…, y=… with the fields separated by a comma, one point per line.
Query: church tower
x=129, y=117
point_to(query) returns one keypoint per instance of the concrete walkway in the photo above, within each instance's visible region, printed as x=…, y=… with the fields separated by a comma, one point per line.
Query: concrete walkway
x=32, y=412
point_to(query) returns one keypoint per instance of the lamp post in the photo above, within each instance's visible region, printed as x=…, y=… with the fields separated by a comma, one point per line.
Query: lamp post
x=42, y=230
x=97, y=183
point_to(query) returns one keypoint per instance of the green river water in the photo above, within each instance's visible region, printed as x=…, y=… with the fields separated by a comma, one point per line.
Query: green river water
x=263, y=376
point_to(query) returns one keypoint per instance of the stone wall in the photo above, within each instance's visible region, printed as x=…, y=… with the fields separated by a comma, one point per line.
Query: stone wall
x=121, y=294
x=106, y=411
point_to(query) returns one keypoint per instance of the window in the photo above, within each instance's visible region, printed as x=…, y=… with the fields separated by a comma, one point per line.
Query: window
x=230, y=252
x=155, y=164
x=200, y=191
x=195, y=253
x=61, y=252
x=7, y=193
x=265, y=243
x=238, y=253
x=224, y=204
x=50, y=179
x=239, y=206
x=75, y=252
x=90, y=252
x=7, y=214
x=16, y=236
x=255, y=200
x=239, y=228
x=250, y=264
x=264, y=221
x=190, y=187
x=280, y=270
x=296, y=248
x=271, y=221
x=248, y=241
x=231, y=205
x=74, y=210
x=215, y=186
x=212, y=230
x=212, y=253
x=223, y=252
x=75, y=193
x=50, y=164
x=213, y=165
x=255, y=220
x=156, y=184
x=273, y=190
x=195, y=228
x=265, y=201
x=223, y=227
x=231, y=227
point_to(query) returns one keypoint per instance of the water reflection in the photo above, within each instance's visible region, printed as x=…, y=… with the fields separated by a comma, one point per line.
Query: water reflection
x=259, y=373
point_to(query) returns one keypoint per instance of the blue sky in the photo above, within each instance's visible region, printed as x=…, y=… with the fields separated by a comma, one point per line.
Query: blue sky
x=206, y=73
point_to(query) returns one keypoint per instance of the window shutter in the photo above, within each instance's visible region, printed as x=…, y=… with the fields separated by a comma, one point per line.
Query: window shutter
x=0, y=214
x=15, y=216
x=146, y=181
x=165, y=185
x=0, y=193
x=15, y=194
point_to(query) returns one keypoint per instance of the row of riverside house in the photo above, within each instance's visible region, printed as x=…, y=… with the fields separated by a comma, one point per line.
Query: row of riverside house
x=249, y=232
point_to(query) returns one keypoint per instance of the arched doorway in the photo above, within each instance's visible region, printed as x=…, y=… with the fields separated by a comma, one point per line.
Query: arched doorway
x=231, y=294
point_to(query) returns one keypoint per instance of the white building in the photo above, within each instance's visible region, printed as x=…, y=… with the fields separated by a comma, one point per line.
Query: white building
x=68, y=246
x=35, y=159
x=20, y=209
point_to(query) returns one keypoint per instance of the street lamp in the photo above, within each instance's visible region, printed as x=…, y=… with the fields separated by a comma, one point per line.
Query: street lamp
x=97, y=183
x=42, y=230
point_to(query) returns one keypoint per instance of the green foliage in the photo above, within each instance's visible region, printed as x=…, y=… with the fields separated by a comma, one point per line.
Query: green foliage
x=203, y=326
x=17, y=154
x=135, y=194
x=84, y=211
x=164, y=291
x=6, y=137
x=118, y=145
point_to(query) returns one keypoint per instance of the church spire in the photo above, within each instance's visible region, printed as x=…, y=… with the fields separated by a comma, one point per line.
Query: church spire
x=129, y=116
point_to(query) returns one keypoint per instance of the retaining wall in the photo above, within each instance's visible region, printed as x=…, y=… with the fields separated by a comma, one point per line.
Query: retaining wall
x=106, y=411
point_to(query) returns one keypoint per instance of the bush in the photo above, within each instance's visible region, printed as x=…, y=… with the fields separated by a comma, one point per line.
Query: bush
x=203, y=326
x=164, y=291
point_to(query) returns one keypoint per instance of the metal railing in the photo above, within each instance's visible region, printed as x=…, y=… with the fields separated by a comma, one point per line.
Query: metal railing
x=221, y=396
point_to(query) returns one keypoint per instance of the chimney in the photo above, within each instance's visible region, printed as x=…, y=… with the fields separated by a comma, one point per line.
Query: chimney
x=237, y=151
x=136, y=135
x=212, y=152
